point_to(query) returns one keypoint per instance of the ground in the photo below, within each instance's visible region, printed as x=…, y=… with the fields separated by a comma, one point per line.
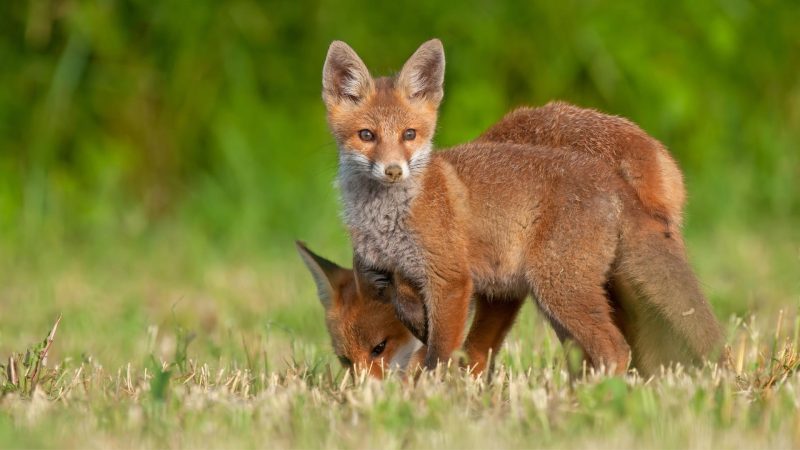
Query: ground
x=170, y=343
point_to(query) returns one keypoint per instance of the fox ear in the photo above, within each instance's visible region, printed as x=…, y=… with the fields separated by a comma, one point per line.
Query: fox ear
x=371, y=284
x=345, y=78
x=325, y=273
x=422, y=76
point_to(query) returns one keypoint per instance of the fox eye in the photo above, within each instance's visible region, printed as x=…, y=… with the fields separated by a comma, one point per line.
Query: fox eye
x=366, y=135
x=345, y=361
x=379, y=349
x=409, y=134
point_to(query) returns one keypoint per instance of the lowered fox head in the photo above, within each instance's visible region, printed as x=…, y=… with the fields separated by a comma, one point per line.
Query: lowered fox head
x=383, y=126
x=365, y=333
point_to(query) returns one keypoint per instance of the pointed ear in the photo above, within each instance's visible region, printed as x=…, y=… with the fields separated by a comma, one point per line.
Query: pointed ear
x=422, y=76
x=371, y=284
x=345, y=78
x=325, y=273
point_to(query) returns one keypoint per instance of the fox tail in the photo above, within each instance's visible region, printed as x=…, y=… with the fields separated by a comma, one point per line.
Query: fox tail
x=659, y=304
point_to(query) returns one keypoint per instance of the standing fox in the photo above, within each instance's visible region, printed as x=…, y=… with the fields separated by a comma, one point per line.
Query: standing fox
x=501, y=220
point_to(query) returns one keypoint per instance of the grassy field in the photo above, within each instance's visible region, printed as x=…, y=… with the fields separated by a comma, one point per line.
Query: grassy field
x=170, y=343
x=158, y=159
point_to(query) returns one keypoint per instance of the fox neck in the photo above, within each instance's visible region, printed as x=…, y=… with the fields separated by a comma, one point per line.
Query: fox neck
x=377, y=214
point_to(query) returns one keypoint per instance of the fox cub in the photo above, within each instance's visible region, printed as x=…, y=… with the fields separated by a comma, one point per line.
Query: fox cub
x=591, y=230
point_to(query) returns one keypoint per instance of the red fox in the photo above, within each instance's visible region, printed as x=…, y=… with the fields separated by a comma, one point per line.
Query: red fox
x=364, y=329
x=502, y=220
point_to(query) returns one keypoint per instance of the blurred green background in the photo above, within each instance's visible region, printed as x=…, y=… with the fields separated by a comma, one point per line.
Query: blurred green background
x=157, y=159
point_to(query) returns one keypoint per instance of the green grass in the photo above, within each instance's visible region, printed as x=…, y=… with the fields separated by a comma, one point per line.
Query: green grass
x=171, y=343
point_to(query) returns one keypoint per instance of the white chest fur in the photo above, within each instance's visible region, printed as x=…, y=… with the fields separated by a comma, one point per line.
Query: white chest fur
x=377, y=215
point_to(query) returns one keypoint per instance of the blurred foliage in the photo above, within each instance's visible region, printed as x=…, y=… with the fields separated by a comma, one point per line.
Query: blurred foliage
x=118, y=118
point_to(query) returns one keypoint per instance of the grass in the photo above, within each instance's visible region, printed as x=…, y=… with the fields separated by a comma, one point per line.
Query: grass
x=170, y=342
x=749, y=403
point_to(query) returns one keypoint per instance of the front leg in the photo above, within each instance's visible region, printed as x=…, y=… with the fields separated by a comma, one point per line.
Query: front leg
x=439, y=219
x=447, y=303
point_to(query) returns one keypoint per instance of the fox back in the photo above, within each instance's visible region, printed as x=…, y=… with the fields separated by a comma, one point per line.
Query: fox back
x=641, y=160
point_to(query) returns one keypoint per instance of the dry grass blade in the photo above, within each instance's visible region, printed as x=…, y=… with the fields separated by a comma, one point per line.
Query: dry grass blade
x=41, y=359
x=12, y=371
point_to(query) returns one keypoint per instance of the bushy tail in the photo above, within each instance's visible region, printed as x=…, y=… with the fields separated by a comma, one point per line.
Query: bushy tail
x=663, y=313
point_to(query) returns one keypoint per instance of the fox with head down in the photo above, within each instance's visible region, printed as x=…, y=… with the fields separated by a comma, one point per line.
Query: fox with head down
x=579, y=209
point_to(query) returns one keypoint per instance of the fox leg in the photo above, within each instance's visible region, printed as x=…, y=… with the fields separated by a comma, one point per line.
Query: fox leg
x=568, y=276
x=586, y=319
x=493, y=319
x=447, y=306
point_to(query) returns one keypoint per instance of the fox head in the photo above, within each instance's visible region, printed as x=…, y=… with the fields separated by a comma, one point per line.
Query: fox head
x=365, y=332
x=383, y=126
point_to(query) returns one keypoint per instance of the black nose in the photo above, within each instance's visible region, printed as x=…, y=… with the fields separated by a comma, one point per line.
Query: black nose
x=393, y=172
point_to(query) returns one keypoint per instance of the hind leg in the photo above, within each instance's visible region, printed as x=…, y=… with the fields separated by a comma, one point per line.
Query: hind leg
x=585, y=318
x=493, y=319
x=575, y=356
x=568, y=273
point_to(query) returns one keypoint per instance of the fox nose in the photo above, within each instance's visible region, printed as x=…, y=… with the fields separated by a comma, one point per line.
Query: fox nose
x=393, y=172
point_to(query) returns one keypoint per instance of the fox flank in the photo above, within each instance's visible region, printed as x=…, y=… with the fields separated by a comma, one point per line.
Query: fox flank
x=582, y=213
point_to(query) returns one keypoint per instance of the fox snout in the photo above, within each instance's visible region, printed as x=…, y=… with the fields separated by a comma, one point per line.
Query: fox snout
x=393, y=172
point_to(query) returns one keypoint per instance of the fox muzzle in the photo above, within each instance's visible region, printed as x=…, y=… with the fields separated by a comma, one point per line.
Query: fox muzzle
x=393, y=172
